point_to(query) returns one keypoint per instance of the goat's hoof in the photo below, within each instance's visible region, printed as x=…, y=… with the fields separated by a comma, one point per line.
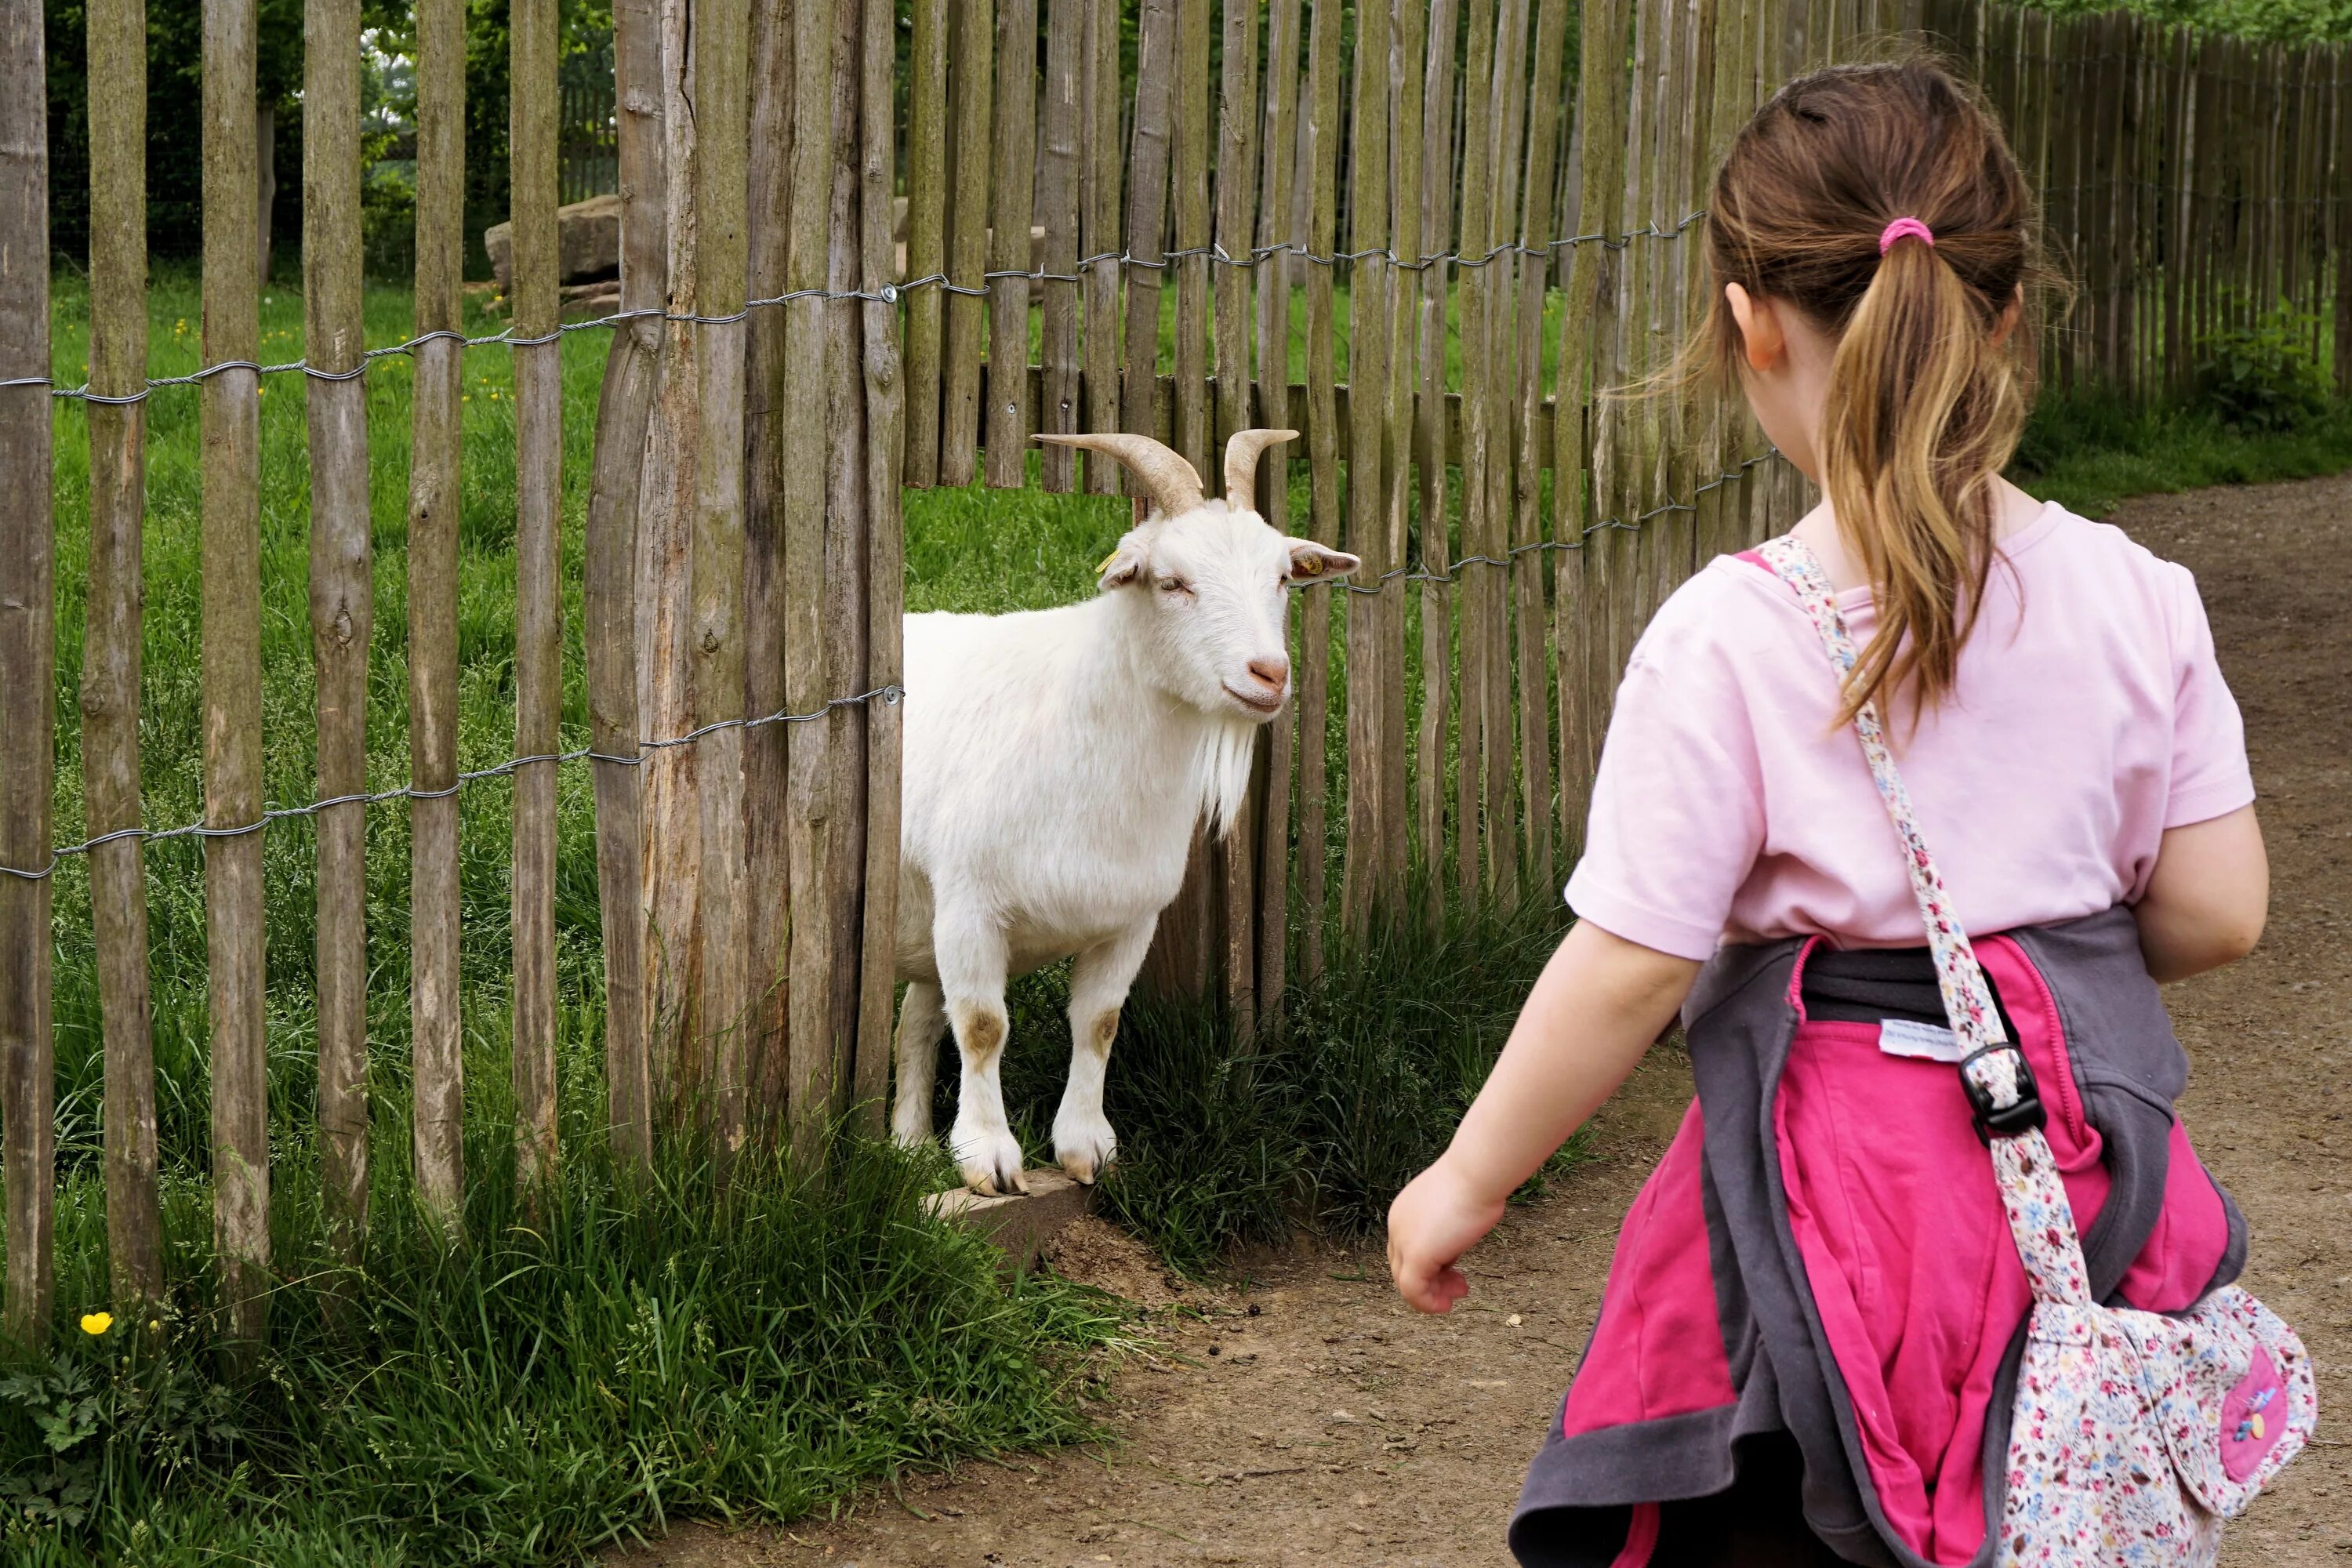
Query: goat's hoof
x=990, y=1162
x=1085, y=1152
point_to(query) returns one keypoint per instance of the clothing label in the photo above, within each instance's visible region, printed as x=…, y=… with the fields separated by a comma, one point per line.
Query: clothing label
x=1928, y=1042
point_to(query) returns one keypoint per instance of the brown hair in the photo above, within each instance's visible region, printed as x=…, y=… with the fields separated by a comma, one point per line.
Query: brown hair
x=1926, y=400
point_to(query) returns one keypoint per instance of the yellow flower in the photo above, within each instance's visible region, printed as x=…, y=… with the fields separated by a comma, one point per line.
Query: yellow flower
x=97, y=1322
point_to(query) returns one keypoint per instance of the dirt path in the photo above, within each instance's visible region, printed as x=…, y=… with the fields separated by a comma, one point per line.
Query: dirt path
x=1308, y=1418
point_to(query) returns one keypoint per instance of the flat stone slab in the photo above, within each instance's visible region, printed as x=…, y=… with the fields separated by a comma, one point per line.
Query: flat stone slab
x=1019, y=1225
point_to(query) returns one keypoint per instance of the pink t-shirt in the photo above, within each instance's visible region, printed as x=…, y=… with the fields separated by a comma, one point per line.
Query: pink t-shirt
x=2089, y=716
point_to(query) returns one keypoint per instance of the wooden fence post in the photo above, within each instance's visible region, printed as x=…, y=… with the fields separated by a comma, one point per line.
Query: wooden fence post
x=1429, y=450
x=926, y=168
x=1273, y=275
x=1235, y=859
x=969, y=88
x=1099, y=192
x=1058, y=195
x=608, y=596
x=1480, y=739
x=766, y=783
x=847, y=545
x=538, y=604
x=1527, y=527
x=28, y=670
x=111, y=639
x=232, y=674
x=434, y=493
x=885, y=579
x=342, y=596
x=1370, y=830
x=1323, y=465
x=722, y=47
x=807, y=668
x=1011, y=188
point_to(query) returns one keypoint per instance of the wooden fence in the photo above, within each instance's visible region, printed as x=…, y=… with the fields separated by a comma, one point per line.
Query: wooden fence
x=1488, y=205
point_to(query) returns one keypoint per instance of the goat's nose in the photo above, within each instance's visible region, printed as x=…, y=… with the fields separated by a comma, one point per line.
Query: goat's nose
x=1271, y=672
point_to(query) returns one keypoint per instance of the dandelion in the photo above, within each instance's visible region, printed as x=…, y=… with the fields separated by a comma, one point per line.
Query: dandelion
x=96, y=1323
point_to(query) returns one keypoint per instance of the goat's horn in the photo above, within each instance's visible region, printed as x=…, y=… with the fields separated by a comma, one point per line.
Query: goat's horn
x=1241, y=454
x=1173, y=484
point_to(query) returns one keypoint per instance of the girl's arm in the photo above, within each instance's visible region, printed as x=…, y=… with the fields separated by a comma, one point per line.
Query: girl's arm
x=2207, y=897
x=1600, y=1002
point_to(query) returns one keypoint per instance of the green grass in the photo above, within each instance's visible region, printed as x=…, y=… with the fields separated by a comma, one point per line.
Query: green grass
x=2089, y=452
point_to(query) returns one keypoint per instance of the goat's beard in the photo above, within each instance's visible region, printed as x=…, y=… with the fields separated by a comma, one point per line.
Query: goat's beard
x=1223, y=767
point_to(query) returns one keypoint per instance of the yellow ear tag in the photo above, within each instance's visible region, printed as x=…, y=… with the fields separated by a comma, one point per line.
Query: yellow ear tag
x=1104, y=564
x=1308, y=566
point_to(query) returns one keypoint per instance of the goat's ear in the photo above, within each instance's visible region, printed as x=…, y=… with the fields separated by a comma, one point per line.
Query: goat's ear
x=1119, y=567
x=1311, y=560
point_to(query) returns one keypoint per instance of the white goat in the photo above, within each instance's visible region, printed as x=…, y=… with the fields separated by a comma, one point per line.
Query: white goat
x=1057, y=763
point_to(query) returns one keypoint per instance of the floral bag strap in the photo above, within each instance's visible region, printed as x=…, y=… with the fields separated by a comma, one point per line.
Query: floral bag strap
x=1994, y=1073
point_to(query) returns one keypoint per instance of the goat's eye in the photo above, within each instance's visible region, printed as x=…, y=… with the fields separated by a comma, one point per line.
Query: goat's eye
x=1174, y=586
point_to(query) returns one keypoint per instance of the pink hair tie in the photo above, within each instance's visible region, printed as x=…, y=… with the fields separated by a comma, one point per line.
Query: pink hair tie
x=1904, y=228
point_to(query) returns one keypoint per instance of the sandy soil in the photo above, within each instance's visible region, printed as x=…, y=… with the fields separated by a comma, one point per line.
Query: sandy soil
x=1301, y=1415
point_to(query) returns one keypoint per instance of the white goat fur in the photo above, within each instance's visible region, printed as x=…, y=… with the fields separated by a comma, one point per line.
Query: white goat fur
x=1057, y=763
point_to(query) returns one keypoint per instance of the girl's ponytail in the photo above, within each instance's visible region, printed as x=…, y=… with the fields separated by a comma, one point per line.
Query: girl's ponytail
x=1882, y=203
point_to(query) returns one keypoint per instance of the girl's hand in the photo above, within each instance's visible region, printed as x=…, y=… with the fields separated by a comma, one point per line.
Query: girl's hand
x=1432, y=1223
x=1601, y=1002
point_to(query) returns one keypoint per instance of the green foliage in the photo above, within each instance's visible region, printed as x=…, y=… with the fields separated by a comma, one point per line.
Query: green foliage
x=2090, y=451
x=560, y=1381
x=2280, y=21
x=2264, y=373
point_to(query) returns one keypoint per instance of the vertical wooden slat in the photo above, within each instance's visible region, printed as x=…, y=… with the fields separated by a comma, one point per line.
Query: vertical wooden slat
x=1323, y=463
x=1408, y=43
x=845, y=555
x=539, y=607
x=1099, y=190
x=1057, y=196
x=342, y=605
x=1498, y=386
x=1147, y=216
x=433, y=505
x=969, y=60
x=1528, y=523
x=885, y=578
x=608, y=603
x=111, y=639
x=722, y=95
x=1189, y=174
x=1273, y=275
x=927, y=143
x=28, y=668
x=231, y=419
x=1429, y=450
x=767, y=789
x=2340, y=194
x=807, y=672
x=1478, y=604
x=1011, y=190
x=1235, y=860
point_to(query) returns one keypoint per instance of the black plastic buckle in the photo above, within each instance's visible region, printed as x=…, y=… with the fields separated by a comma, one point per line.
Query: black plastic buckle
x=2026, y=1116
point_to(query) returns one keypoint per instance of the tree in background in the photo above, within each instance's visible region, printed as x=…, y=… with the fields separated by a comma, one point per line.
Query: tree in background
x=175, y=127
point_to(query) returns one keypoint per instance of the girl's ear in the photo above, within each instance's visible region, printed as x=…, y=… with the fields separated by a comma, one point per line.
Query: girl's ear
x=2010, y=315
x=1762, y=342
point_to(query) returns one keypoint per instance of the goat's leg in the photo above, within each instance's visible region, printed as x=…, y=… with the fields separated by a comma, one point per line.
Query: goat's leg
x=922, y=1019
x=1083, y=1144
x=971, y=960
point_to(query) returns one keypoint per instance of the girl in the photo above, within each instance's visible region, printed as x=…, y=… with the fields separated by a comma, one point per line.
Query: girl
x=1808, y=1342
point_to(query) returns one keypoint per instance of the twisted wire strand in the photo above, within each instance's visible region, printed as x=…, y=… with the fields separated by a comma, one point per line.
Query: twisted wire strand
x=888, y=694
x=887, y=294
